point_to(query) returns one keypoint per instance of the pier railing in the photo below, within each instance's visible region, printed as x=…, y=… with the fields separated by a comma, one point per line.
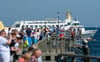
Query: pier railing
x=86, y=58
x=55, y=47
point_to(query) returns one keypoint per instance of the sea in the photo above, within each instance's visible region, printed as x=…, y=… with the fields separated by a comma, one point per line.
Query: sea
x=94, y=46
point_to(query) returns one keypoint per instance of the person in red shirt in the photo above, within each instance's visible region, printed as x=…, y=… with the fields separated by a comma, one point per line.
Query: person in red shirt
x=61, y=34
x=25, y=58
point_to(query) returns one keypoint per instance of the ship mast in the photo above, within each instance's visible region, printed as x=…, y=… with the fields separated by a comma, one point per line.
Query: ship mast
x=69, y=15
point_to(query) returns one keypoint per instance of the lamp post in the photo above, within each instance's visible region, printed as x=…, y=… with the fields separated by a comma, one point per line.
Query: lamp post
x=45, y=24
x=58, y=18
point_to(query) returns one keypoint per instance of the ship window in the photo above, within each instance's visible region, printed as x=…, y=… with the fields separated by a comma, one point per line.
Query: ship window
x=44, y=25
x=75, y=24
x=48, y=25
x=31, y=25
x=36, y=26
x=68, y=23
x=61, y=25
x=65, y=25
x=36, y=22
x=26, y=26
x=41, y=22
x=52, y=22
x=39, y=25
x=17, y=25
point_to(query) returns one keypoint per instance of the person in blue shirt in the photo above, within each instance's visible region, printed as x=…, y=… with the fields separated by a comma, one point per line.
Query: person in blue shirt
x=29, y=39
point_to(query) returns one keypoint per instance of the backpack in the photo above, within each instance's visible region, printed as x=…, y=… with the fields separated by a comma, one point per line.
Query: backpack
x=26, y=44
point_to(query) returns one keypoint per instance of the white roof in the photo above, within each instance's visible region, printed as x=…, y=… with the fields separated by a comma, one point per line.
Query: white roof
x=76, y=21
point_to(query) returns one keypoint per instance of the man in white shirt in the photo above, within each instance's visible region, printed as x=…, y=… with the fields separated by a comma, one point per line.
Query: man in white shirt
x=4, y=47
x=40, y=59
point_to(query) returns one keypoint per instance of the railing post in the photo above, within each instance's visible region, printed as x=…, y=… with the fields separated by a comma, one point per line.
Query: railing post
x=57, y=46
x=50, y=45
x=73, y=59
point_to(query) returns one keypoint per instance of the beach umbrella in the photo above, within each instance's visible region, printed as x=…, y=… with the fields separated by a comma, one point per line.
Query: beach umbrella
x=1, y=25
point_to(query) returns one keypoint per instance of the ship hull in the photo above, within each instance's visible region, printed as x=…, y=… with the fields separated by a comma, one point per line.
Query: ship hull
x=88, y=34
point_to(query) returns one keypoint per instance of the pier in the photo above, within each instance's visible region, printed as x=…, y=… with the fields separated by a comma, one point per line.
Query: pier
x=55, y=47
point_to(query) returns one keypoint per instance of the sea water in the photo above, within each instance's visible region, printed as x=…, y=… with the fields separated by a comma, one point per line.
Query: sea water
x=94, y=46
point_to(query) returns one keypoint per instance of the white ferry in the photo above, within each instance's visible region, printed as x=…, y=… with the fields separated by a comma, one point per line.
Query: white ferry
x=66, y=24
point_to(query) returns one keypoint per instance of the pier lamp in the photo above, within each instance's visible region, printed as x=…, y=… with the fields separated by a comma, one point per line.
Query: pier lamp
x=58, y=17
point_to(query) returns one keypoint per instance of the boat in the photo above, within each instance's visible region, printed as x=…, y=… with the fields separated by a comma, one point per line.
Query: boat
x=85, y=34
x=49, y=22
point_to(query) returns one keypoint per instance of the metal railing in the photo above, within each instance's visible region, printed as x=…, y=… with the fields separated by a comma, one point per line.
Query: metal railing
x=63, y=46
x=86, y=58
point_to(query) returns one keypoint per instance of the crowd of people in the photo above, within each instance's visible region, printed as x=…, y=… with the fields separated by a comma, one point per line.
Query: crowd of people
x=19, y=45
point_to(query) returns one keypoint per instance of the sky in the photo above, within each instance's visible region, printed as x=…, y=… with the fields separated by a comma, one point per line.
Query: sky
x=86, y=11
